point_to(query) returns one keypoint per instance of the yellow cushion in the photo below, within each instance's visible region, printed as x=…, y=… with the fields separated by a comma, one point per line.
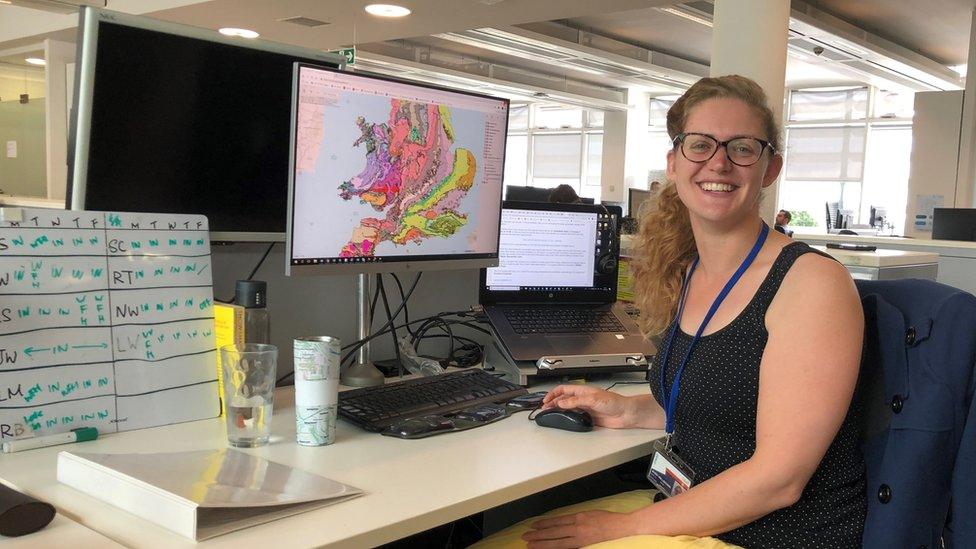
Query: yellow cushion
x=626, y=502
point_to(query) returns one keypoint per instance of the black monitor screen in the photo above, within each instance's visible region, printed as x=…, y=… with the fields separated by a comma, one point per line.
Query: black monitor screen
x=636, y=198
x=954, y=224
x=178, y=124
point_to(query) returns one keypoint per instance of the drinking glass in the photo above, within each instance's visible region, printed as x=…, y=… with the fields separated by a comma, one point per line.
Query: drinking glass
x=249, y=381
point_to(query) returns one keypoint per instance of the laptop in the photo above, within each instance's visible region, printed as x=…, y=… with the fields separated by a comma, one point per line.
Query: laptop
x=552, y=299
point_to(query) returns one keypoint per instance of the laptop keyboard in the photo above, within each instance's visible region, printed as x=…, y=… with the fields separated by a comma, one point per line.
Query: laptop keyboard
x=561, y=320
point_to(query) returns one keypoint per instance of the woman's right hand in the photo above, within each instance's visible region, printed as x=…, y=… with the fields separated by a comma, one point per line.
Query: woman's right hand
x=606, y=408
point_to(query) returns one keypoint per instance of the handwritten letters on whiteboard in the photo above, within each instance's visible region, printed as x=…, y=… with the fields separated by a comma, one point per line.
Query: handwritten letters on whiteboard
x=106, y=320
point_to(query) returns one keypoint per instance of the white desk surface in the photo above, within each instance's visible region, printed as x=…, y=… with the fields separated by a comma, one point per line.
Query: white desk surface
x=879, y=257
x=411, y=485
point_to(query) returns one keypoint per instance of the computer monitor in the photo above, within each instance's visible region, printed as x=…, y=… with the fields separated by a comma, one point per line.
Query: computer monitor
x=526, y=193
x=954, y=224
x=170, y=118
x=635, y=200
x=389, y=175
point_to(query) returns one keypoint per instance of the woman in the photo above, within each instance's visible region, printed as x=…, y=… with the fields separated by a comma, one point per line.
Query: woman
x=761, y=415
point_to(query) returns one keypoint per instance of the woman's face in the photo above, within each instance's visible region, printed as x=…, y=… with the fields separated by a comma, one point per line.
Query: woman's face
x=717, y=190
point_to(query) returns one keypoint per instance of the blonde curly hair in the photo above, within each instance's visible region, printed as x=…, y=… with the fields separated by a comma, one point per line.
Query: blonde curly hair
x=665, y=246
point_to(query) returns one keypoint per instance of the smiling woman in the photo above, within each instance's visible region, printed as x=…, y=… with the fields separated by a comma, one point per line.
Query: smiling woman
x=761, y=441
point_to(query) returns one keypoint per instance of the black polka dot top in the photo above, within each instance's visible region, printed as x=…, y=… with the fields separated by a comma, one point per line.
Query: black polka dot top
x=715, y=429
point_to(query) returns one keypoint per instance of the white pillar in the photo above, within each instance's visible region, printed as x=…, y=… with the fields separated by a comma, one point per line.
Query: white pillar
x=625, y=143
x=59, y=56
x=965, y=196
x=749, y=38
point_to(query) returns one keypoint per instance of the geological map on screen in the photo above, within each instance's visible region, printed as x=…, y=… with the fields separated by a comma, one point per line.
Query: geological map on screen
x=389, y=172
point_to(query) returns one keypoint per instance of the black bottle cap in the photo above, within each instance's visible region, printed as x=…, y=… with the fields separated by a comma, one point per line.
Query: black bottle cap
x=251, y=293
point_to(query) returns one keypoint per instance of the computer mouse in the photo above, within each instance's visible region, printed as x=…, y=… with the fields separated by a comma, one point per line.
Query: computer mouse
x=571, y=419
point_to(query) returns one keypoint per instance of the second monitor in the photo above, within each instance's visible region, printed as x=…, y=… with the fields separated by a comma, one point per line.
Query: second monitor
x=389, y=175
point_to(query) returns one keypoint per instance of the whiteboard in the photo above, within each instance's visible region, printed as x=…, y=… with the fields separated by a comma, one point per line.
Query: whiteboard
x=106, y=321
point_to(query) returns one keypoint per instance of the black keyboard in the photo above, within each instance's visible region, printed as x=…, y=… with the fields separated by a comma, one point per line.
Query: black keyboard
x=561, y=320
x=376, y=408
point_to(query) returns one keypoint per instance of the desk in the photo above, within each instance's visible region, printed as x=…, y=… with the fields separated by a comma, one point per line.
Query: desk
x=884, y=264
x=411, y=485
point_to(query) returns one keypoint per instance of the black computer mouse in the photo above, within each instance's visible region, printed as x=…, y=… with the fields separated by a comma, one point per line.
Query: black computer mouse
x=571, y=419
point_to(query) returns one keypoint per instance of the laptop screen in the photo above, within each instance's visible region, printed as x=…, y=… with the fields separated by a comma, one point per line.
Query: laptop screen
x=554, y=252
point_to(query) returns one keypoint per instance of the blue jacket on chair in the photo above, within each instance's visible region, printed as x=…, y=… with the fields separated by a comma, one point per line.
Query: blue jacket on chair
x=919, y=437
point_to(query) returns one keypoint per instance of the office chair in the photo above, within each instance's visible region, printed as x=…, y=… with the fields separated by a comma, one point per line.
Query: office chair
x=919, y=431
x=833, y=215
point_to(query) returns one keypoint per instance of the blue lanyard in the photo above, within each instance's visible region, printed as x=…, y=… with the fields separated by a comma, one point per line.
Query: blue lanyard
x=671, y=399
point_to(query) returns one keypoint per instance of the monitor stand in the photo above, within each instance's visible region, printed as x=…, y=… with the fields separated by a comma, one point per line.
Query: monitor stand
x=362, y=373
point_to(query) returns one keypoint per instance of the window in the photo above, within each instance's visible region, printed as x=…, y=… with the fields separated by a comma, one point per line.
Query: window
x=556, y=156
x=516, y=160
x=835, y=152
x=518, y=117
x=549, y=145
x=828, y=104
x=825, y=153
x=657, y=114
x=557, y=118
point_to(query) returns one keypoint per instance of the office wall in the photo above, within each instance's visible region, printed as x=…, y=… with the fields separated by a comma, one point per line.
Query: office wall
x=302, y=306
x=23, y=124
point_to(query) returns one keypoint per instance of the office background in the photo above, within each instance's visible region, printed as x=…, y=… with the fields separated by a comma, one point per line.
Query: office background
x=590, y=83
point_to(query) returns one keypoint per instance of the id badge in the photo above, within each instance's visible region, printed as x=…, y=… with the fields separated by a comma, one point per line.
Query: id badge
x=668, y=472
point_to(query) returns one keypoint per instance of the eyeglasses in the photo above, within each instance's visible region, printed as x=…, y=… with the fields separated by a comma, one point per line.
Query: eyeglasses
x=741, y=151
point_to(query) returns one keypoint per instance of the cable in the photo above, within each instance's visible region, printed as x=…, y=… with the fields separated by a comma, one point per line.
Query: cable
x=615, y=383
x=393, y=332
x=253, y=272
x=406, y=312
x=356, y=345
x=261, y=262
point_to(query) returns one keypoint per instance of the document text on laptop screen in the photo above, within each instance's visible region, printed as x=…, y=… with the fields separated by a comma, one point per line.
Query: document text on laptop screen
x=545, y=249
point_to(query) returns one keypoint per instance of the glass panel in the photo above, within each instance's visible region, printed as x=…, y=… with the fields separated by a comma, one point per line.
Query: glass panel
x=828, y=104
x=558, y=117
x=658, y=111
x=23, y=152
x=825, y=153
x=518, y=117
x=886, y=175
x=594, y=158
x=806, y=201
x=894, y=104
x=516, y=160
x=594, y=119
x=658, y=145
x=556, y=156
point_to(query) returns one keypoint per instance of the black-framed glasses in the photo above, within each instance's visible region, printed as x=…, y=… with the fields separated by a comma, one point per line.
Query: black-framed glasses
x=741, y=151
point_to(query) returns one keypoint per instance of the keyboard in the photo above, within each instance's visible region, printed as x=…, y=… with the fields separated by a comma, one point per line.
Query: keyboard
x=561, y=320
x=376, y=408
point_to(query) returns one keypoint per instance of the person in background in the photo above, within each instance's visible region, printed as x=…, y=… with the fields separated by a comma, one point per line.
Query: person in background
x=783, y=218
x=564, y=194
x=762, y=447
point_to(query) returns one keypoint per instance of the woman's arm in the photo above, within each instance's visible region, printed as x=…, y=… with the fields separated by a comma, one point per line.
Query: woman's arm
x=807, y=377
x=608, y=409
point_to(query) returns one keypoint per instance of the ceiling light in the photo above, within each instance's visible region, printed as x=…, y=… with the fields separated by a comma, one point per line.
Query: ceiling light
x=36, y=61
x=960, y=69
x=685, y=15
x=387, y=10
x=243, y=33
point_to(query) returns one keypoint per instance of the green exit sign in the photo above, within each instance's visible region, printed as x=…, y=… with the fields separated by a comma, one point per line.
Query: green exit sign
x=348, y=53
